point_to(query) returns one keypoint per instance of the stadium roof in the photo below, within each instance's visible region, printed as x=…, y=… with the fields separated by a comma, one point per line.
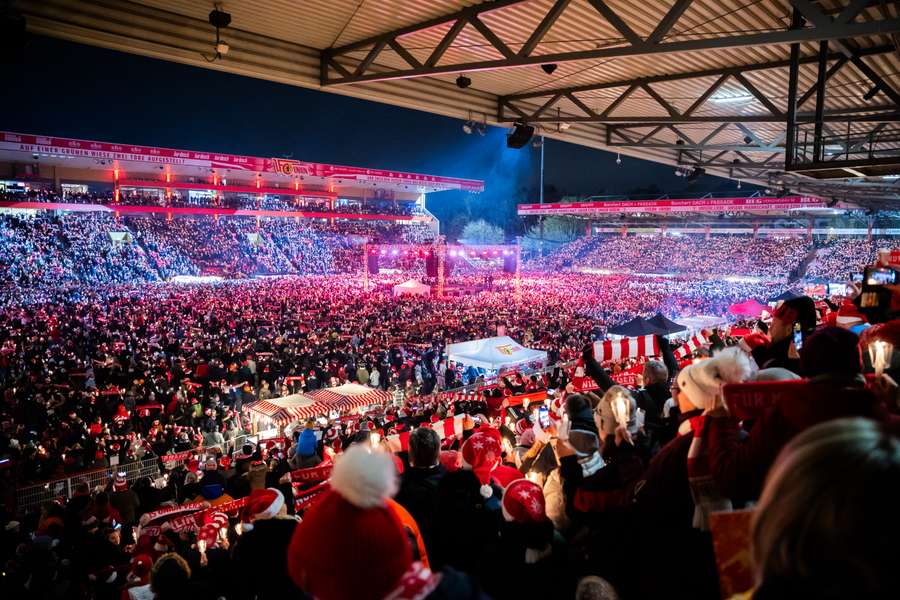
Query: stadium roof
x=103, y=161
x=698, y=83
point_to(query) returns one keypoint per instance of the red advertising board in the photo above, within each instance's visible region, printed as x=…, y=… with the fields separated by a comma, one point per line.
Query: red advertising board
x=675, y=205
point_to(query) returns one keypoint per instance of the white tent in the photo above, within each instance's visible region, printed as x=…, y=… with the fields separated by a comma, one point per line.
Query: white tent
x=412, y=288
x=699, y=322
x=495, y=353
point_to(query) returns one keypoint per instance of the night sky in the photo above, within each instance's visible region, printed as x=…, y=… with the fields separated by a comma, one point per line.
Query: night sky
x=71, y=90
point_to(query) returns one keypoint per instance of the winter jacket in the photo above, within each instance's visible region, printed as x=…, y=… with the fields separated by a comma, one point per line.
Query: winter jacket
x=418, y=495
x=260, y=562
x=126, y=502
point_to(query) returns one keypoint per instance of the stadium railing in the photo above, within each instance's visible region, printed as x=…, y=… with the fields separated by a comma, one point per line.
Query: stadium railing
x=28, y=497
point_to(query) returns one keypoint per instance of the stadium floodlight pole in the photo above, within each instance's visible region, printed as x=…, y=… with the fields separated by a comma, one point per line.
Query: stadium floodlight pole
x=541, y=244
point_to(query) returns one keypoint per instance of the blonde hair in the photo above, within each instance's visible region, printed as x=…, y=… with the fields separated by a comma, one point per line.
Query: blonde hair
x=828, y=514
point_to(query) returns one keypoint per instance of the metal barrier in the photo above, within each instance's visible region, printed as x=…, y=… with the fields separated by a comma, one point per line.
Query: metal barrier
x=33, y=496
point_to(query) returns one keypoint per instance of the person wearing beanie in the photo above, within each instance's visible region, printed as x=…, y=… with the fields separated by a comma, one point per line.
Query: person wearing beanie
x=352, y=545
x=531, y=555
x=262, y=504
x=124, y=500
x=780, y=352
x=481, y=455
x=832, y=353
x=700, y=387
x=305, y=455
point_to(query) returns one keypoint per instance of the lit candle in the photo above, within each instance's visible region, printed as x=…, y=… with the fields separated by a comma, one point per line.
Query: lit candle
x=880, y=352
x=620, y=409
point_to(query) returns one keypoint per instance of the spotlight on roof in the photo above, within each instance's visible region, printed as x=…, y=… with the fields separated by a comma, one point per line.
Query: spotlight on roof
x=696, y=173
x=564, y=126
x=537, y=142
x=481, y=128
x=468, y=127
x=548, y=68
x=220, y=20
x=519, y=136
x=463, y=82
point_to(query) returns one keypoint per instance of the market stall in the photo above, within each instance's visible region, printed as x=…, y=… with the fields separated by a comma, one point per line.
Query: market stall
x=341, y=399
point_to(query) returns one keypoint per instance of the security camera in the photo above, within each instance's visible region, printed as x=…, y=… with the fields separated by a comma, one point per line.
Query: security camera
x=35, y=155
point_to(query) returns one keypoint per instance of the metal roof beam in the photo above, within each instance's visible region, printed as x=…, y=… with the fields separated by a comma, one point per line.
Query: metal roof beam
x=825, y=28
x=730, y=70
x=877, y=115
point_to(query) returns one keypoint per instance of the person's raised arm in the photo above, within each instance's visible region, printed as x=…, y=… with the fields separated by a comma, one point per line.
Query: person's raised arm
x=593, y=369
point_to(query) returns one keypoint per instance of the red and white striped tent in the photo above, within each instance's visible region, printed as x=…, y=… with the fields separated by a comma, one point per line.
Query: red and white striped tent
x=343, y=398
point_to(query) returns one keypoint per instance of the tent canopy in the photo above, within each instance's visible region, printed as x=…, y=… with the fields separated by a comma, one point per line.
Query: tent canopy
x=749, y=308
x=636, y=328
x=347, y=397
x=494, y=353
x=412, y=287
x=699, y=322
x=665, y=324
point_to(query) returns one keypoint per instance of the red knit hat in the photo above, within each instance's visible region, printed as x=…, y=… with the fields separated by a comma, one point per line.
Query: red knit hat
x=481, y=453
x=523, y=502
x=262, y=504
x=351, y=544
x=450, y=460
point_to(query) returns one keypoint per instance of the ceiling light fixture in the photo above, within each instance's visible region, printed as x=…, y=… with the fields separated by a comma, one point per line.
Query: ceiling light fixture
x=220, y=20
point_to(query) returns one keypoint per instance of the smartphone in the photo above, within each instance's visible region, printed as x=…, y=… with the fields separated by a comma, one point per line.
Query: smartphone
x=544, y=417
x=878, y=276
x=798, y=337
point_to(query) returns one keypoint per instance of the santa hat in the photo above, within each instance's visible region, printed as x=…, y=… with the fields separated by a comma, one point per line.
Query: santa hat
x=352, y=530
x=703, y=381
x=481, y=454
x=503, y=475
x=120, y=484
x=523, y=502
x=262, y=504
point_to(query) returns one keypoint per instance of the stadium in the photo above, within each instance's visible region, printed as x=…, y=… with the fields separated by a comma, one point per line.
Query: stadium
x=588, y=299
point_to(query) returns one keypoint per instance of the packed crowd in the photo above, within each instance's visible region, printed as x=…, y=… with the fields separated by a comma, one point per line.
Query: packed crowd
x=560, y=498
x=178, y=198
x=600, y=491
x=45, y=251
x=720, y=255
x=838, y=258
